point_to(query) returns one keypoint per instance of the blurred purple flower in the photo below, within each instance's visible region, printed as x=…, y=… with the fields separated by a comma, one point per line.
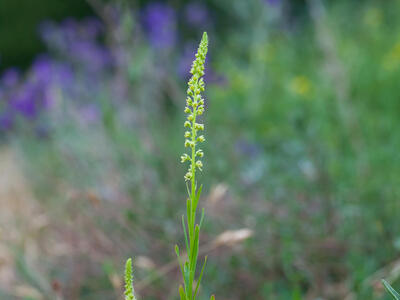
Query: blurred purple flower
x=93, y=57
x=91, y=28
x=196, y=14
x=273, y=2
x=6, y=121
x=25, y=101
x=89, y=113
x=247, y=148
x=10, y=77
x=52, y=36
x=63, y=75
x=41, y=70
x=34, y=94
x=159, y=22
x=78, y=42
x=69, y=28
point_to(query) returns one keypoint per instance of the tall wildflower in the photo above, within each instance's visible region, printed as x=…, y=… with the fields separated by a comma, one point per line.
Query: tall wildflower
x=194, y=108
x=193, y=137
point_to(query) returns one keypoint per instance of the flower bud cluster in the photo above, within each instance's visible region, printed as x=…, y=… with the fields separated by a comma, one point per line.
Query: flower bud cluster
x=195, y=107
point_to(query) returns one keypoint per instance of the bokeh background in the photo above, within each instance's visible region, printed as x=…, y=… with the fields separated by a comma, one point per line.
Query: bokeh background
x=302, y=164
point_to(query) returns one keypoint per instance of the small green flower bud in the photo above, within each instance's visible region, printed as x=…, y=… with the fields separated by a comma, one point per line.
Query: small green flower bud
x=188, y=176
x=187, y=134
x=187, y=110
x=184, y=158
x=198, y=126
x=201, y=138
x=199, y=153
x=190, y=117
x=188, y=143
x=199, y=164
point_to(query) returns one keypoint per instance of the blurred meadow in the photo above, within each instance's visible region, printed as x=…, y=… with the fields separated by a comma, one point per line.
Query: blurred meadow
x=301, y=170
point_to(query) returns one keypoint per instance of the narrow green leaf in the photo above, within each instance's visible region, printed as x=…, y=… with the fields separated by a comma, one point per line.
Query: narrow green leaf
x=198, y=195
x=188, y=288
x=201, y=218
x=189, y=221
x=187, y=188
x=184, y=232
x=212, y=297
x=195, y=249
x=200, y=277
x=182, y=293
x=391, y=290
x=179, y=259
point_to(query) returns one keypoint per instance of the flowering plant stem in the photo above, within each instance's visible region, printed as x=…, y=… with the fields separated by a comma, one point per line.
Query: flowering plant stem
x=194, y=108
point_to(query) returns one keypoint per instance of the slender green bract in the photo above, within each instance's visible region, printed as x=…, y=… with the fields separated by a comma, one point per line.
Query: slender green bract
x=194, y=108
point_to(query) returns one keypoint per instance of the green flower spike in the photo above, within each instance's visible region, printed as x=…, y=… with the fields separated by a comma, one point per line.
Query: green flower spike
x=129, y=293
x=194, y=108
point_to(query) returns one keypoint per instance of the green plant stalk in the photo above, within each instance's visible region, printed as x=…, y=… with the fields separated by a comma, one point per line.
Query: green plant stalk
x=194, y=108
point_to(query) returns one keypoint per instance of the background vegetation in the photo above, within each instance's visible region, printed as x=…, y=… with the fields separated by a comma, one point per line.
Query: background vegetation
x=301, y=180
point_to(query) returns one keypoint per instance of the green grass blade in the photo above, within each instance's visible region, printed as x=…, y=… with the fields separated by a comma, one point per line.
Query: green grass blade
x=391, y=290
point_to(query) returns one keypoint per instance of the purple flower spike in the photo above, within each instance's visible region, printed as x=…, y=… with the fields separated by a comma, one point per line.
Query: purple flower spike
x=159, y=21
